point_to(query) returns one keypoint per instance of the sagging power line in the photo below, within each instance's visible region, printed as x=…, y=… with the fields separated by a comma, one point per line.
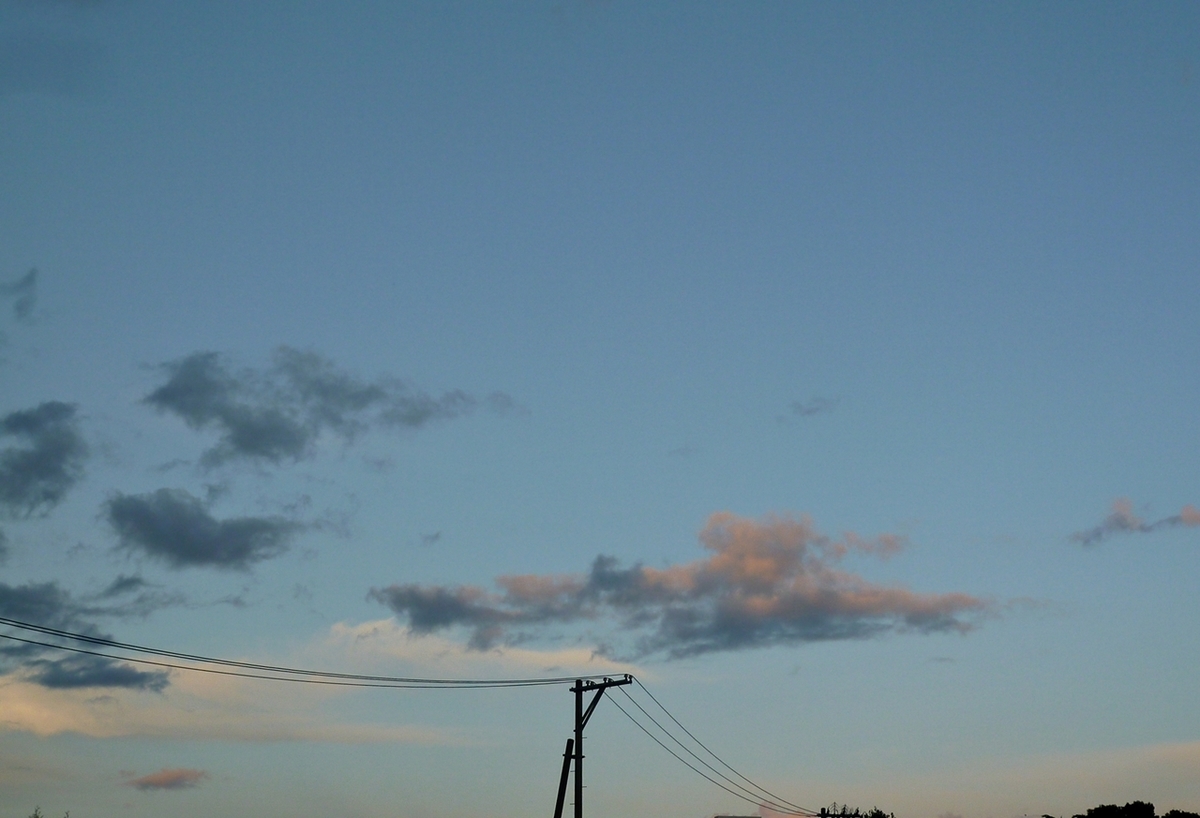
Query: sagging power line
x=763, y=796
x=754, y=793
x=279, y=673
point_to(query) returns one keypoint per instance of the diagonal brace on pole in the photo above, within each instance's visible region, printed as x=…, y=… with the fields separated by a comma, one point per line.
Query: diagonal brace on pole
x=587, y=714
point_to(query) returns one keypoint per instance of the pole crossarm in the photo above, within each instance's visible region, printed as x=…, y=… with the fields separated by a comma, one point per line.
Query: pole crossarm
x=591, y=684
x=599, y=687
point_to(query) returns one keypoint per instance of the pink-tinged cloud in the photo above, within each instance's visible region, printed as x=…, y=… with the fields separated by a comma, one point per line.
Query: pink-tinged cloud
x=764, y=582
x=169, y=779
x=1122, y=520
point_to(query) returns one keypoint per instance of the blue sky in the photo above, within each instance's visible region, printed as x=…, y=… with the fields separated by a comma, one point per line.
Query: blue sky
x=862, y=339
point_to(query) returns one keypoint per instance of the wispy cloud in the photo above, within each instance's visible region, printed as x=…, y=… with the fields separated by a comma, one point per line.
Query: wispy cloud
x=277, y=415
x=36, y=476
x=813, y=406
x=50, y=605
x=44, y=603
x=766, y=582
x=123, y=585
x=169, y=779
x=176, y=527
x=377, y=646
x=806, y=409
x=1122, y=520
x=197, y=706
x=93, y=671
x=23, y=294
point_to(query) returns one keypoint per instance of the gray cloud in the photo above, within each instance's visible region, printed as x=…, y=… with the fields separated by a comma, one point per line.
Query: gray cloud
x=176, y=527
x=44, y=603
x=3, y=547
x=23, y=293
x=166, y=779
x=123, y=585
x=277, y=415
x=94, y=671
x=37, y=476
x=134, y=596
x=814, y=406
x=48, y=604
x=1122, y=520
x=766, y=582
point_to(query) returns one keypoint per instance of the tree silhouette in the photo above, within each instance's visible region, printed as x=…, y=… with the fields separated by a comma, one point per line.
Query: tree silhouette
x=844, y=811
x=1133, y=809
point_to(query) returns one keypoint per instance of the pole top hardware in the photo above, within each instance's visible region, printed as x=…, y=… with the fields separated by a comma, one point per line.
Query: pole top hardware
x=581, y=686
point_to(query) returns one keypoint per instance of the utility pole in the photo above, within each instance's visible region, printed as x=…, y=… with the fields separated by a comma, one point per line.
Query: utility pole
x=581, y=719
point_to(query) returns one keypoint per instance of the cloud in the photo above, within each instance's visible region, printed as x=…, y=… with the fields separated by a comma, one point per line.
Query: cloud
x=37, y=476
x=379, y=646
x=766, y=582
x=198, y=706
x=44, y=603
x=1122, y=520
x=23, y=293
x=176, y=527
x=169, y=779
x=201, y=706
x=123, y=585
x=48, y=604
x=136, y=596
x=94, y=671
x=814, y=406
x=3, y=547
x=278, y=414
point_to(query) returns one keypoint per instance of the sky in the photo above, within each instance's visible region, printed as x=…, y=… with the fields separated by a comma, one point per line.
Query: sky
x=832, y=368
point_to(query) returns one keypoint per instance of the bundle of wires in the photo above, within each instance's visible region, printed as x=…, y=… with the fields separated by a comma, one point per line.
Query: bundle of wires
x=175, y=660
x=664, y=735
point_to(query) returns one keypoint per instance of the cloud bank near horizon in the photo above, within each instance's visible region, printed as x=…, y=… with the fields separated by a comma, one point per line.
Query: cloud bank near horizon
x=1122, y=520
x=197, y=706
x=767, y=582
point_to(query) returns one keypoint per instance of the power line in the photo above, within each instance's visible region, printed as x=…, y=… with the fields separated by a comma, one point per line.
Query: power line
x=769, y=800
x=284, y=671
x=699, y=772
x=473, y=685
x=714, y=755
x=688, y=750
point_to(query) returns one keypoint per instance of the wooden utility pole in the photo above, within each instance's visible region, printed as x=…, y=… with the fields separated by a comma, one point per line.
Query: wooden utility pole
x=576, y=744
